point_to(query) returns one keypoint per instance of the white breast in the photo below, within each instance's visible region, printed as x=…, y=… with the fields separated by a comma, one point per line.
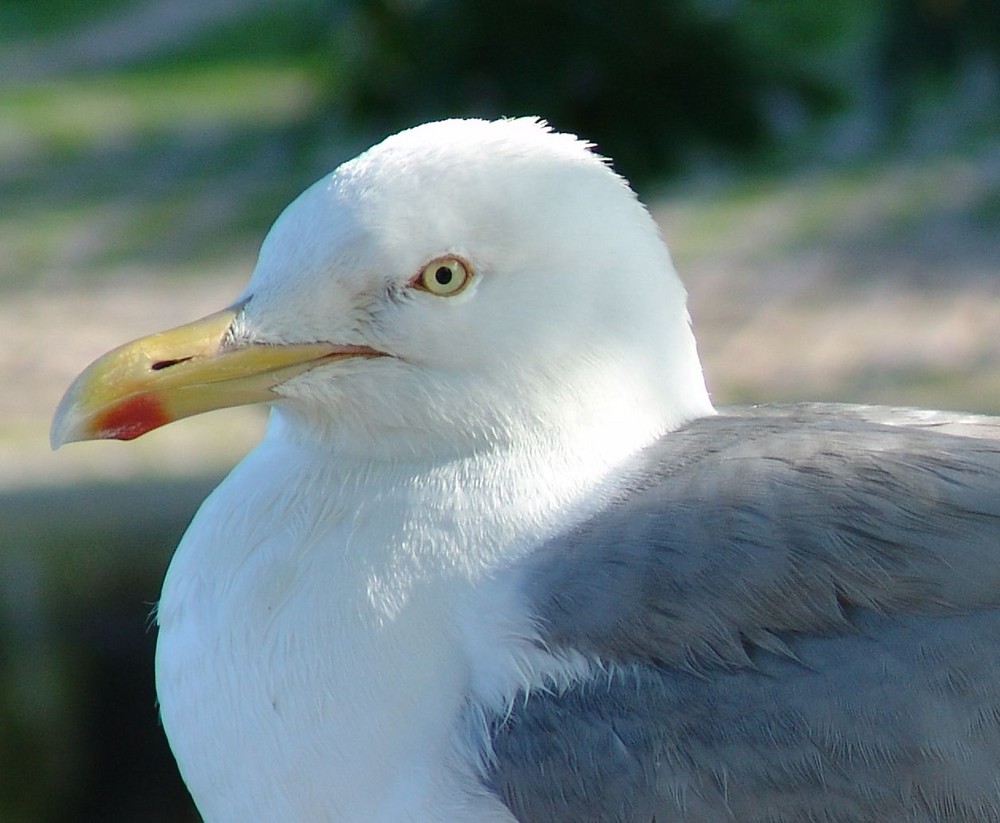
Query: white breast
x=324, y=630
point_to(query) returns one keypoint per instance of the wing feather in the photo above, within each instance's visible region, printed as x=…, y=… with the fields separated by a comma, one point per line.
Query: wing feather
x=798, y=615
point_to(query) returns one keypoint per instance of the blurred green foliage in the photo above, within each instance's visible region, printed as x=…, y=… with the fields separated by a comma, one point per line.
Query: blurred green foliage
x=653, y=82
x=28, y=18
x=656, y=83
x=925, y=46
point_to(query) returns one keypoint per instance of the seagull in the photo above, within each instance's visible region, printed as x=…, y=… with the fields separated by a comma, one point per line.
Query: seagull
x=498, y=558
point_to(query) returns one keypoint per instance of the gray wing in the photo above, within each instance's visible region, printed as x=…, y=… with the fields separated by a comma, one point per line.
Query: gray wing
x=798, y=613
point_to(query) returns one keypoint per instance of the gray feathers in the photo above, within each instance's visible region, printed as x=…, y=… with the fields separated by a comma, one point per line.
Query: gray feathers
x=798, y=612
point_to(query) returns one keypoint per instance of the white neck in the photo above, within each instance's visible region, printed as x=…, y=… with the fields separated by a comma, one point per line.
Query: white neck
x=318, y=652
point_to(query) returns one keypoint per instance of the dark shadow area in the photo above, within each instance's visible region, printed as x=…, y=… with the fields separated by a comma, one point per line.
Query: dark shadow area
x=81, y=567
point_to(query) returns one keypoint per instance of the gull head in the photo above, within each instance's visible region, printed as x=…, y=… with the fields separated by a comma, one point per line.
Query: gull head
x=462, y=285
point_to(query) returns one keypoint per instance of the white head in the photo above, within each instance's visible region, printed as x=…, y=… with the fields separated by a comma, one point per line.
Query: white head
x=572, y=323
x=572, y=318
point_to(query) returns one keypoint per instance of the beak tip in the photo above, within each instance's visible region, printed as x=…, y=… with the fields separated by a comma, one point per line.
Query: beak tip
x=65, y=424
x=55, y=443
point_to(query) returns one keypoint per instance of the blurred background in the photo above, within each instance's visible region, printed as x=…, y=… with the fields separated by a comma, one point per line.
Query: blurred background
x=827, y=175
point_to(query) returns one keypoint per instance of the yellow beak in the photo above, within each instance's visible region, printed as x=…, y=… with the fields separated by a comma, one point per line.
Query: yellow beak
x=195, y=368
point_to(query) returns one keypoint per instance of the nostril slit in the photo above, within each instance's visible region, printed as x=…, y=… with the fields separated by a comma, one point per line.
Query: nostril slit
x=166, y=364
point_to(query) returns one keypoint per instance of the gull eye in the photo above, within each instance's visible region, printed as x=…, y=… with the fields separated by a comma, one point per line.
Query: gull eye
x=444, y=276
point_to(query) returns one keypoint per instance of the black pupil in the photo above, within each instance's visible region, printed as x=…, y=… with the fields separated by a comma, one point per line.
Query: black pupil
x=443, y=275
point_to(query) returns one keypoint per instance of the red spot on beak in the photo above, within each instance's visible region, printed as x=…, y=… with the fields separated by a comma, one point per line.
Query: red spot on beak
x=131, y=418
